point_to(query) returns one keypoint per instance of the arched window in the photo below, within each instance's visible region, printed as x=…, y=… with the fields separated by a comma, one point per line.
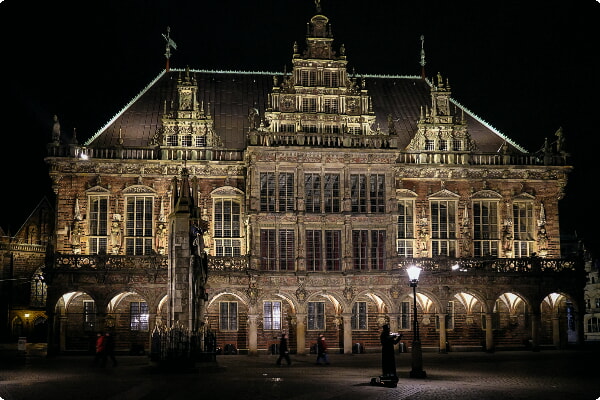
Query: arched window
x=38, y=289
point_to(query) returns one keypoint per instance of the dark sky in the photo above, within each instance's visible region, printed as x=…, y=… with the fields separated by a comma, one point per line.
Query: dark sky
x=525, y=67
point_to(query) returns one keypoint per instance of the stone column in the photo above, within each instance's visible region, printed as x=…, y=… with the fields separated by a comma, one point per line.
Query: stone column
x=347, y=323
x=301, y=334
x=443, y=339
x=252, y=334
x=489, y=332
x=556, y=331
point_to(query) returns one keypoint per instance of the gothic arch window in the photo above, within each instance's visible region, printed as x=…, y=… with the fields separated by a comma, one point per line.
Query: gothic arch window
x=38, y=289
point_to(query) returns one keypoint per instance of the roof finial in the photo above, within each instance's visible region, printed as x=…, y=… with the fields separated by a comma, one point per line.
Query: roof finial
x=422, y=57
x=170, y=43
x=318, y=5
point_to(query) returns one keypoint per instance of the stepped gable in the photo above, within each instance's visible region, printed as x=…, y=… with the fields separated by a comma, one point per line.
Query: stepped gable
x=228, y=96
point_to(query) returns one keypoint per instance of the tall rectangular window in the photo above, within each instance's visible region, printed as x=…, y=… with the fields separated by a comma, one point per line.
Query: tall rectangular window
x=323, y=254
x=272, y=315
x=286, y=191
x=138, y=225
x=309, y=104
x=359, y=315
x=333, y=250
x=358, y=193
x=308, y=77
x=360, y=245
x=267, y=192
x=89, y=315
x=268, y=250
x=377, y=193
x=277, y=249
x=331, y=191
x=228, y=316
x=485, y=228
x=406, y=228
x=523, y=225
x=138, y=316
x=443, y=228
x=98, y=224
x=331, y=79
x=405, y=314
x=312, y=193
x=377, y=246
x=227, y=228
x=331, y=105
x=314, y=251
x=287, y=257
x=316, y=315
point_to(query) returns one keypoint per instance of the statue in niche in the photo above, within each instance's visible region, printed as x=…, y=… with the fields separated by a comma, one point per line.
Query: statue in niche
x=115, y=233
x=161, y=237
x=76, y=235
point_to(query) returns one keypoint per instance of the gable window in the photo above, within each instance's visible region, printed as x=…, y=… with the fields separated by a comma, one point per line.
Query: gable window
x=316, y=315
x=406, y=229
x=308, y=77
x=443, y=228
x=485, y=228
x=272, y=315
x=98, y=224
x=429, y=144
x=138, y=225
x=138, y=316
x=523, y=223
x=331, y=79
x=359, y=315
x=228, y=316
x=227, y=227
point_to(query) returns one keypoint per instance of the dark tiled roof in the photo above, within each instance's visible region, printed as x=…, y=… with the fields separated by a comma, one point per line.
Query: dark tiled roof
x=228, y=96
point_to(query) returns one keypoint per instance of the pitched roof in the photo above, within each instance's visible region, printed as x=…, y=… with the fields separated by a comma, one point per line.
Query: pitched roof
x=228, y=95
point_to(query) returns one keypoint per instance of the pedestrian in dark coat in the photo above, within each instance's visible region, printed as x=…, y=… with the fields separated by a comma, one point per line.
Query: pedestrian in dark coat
x=388, y=357
x=100, y=349
x=322, y=355
x=284, y=351
x=109, y=349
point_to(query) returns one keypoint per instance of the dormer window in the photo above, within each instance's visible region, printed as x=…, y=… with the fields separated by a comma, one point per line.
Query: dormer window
x=186, y=140
x=429, y=144
x=172, y=140
x=443, y=145
x=308, y=78
x=331, y=79
x=200, y=141
x=456, y=145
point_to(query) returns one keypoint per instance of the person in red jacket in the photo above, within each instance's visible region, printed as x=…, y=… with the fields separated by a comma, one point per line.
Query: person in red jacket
x=322, y=355
x=100, y=349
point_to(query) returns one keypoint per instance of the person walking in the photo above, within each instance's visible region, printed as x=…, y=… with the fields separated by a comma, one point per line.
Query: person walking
x=284, y=351
x=109, y=349
x=100, y=349
x=388, y=357
x=322, y=350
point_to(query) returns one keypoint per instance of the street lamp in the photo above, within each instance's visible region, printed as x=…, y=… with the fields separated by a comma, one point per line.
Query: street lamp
x=416, y=352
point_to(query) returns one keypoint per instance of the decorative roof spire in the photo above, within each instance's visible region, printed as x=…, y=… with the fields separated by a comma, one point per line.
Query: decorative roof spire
x=422, y=57
x=318, y=6
x=170, y=43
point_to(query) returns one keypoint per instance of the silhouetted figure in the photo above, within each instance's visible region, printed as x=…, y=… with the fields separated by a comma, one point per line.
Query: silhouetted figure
x=284, y=351
x=109, y=349
x=322, y=355
x=388, y=357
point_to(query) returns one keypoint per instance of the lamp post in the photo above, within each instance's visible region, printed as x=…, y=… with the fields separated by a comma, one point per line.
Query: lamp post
x=416, y=351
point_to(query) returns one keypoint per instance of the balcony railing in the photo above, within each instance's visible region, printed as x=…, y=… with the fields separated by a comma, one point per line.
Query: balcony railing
x=66, y=262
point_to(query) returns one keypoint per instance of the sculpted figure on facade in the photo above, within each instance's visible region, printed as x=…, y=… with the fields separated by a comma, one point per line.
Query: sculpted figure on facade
x=115, y=233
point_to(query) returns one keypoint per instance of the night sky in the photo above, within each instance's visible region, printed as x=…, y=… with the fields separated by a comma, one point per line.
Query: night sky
x=525, y=67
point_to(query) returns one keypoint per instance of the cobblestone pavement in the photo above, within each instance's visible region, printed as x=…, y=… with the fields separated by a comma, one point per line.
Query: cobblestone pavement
x=506, y=375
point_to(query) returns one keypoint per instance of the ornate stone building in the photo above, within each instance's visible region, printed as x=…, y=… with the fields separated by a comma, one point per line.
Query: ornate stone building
x=313, y=191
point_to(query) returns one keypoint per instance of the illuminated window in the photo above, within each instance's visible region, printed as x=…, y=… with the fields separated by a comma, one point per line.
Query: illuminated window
x=98, y=224
x=272, y=315
x=38, y=290
x=277, y=249
x=593, y=325
x=359, y=315
x=523, y=226
x=312, y=193
x=138, y=316
x=368, y=249
x=323, y=254
x=443, y=227
x=227, y=227
x=406, y=230
x=138, y=226
x=485, y=228
x=89, y=315
x=405, y=315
